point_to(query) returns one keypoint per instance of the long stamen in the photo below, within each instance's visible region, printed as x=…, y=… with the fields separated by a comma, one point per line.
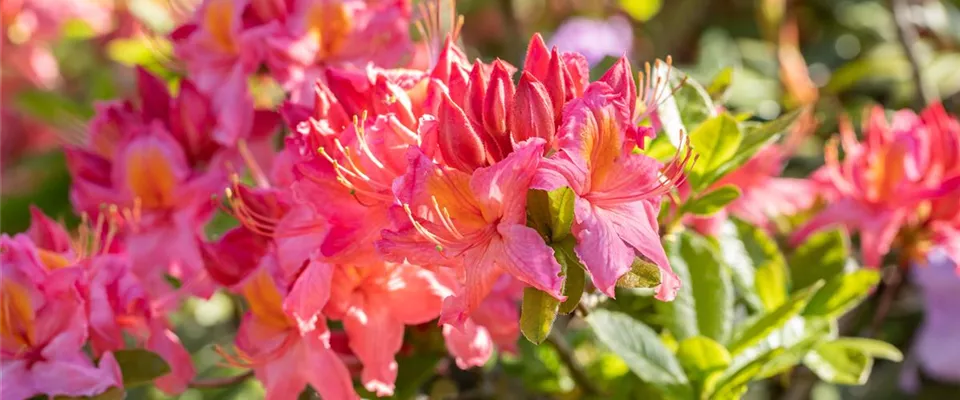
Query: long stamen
x=423, y=230
x=444, y=216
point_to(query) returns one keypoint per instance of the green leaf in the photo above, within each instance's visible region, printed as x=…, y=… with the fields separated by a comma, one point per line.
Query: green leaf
x=842, y=293
x=146, y=51
x=704, y=303
x=821, y=257
x=797, y=337
x=643, y=274
x=551, y=213
x=713, y=201
x=871, y=347
x=641, y=349
x=575, y=276
x=837, y=363
x=754, y=248
x=716, y=141
x=733, y=383
x=754, y=139
x=659, y=148
x=720, y=84
x=140, y=366
x=641, y=10
x=413, y=371
x=537, y=313
x=704, y=360
x=766, y=323
x=686, y=108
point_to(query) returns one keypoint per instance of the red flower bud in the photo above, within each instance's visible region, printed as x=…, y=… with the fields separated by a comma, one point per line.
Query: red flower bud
x=538, y=58
x=555, y=83
x=532, y=111
x=390, y=98
x=476, y=92
x=497, y=101
x=154, y=97
x=460, y=145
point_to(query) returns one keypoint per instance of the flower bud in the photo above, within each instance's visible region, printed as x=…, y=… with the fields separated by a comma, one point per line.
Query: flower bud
x=458, y=141
x=497, y=101
x=532, y=111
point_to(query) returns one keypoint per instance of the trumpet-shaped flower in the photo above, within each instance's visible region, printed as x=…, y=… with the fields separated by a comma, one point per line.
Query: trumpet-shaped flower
x=43, y=329
x=287, y=353
x=474, y=222
x=375, y=303
x=618, y=192
x=883, y=181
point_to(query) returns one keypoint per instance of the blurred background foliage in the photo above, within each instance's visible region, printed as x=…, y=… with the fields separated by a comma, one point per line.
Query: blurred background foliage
x=766, y=56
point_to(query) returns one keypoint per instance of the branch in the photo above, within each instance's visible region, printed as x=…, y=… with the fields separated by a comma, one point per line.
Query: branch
x=214, y=383
x=907, y=34
x=577, y=372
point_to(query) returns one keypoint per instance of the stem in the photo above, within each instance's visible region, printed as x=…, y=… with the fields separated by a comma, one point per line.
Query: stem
x=214, y=383
x=577, y=372
x=907, y=34
x=891, y=289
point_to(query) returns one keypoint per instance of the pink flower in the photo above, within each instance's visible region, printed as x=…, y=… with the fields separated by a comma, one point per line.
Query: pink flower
x=495, y=322
x=375, y=303
x=618, y=192
x=44, y=328
x=881, y=182
x=285, y=357
x=474, y=222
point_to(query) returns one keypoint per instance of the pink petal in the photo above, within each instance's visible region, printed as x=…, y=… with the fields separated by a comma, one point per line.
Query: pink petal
x=605, y=255
x=477, y=278
x=415, y=295
x=324, y=369
x=636, y=224
x=167, y=345
x=501, y=189
x=527, y=258
x=471, y=346
x=375, y=337
x=309, y=295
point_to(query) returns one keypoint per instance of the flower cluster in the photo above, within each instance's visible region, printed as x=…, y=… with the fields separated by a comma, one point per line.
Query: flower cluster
x=902, y=184
x=408, y=192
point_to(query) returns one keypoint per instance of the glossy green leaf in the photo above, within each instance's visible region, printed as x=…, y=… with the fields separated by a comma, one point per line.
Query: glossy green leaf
x=720, y=84
x=537, y=314
x=842, y=293
x=704, y=303
x=140, y=366
x=733, y=383
x=764, y=324
x=704, y=360
x=713, y=201
x=715, y=141
x=643, y=274
x=871, y=347
x=642, y=351
x=754, y=139
x=575, y=275
x=821, y=257
x=686, y=108
x=797, y=337
x=551, y=213
x=836, y=363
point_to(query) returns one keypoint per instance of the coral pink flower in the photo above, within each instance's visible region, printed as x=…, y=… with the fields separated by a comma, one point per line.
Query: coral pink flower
x=375, y=303
x=618, y=192
x=495, y=322
x=287, y=353
x=43, y=328
x=882, y=181
x=474, y=222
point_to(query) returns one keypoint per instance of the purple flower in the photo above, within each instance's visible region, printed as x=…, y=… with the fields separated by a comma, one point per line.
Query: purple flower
x=936, y=351
x=594, y=38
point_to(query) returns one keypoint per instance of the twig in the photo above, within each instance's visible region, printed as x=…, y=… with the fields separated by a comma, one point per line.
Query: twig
x=891, y=289
x=577, y=372
x=907, y=34
x=214, y=383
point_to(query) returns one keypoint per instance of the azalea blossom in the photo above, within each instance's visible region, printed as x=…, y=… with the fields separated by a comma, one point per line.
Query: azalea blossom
x=618, y=192
x=881, y=184
x=44, y=328
x=474, y=222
